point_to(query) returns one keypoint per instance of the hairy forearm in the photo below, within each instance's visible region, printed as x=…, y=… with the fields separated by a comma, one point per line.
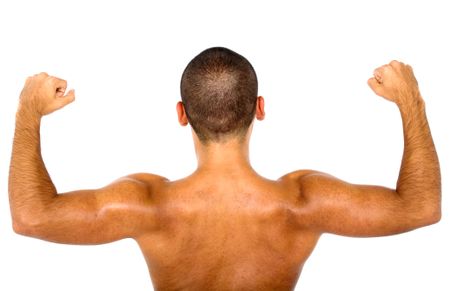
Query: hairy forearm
x=30, y=186
x=419, y=182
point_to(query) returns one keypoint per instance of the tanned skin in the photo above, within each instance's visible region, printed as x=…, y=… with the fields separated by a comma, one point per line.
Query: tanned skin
x=224, y=227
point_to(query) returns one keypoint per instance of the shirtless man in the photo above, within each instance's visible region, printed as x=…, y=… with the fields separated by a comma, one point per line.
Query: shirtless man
x=224, y=227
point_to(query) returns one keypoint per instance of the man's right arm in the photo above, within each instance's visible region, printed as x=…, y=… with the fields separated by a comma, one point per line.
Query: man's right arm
x=334, y=206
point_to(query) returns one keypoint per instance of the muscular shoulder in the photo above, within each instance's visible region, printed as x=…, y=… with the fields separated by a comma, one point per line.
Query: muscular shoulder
x=145, y=178
x=299, y=175
x=138, y=183
x=308, y=182
x=311, y=179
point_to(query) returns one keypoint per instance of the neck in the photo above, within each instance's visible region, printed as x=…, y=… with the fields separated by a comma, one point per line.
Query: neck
x=229, y=156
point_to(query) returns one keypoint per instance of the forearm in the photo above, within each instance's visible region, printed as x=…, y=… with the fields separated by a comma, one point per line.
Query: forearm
x=30, y=186
x=419, y=182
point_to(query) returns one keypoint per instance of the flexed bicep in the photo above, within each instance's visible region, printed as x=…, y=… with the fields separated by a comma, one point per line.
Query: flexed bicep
x=117, y=211
x=361, y=210
x=335, y=206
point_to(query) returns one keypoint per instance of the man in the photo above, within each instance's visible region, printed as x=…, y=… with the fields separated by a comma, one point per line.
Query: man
x=224, y=227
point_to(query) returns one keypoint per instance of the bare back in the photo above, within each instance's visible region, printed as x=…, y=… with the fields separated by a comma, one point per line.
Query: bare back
x=226, y=233
x=224, y=227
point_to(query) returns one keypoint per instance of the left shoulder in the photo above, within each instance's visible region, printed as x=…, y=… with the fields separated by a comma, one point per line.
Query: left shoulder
x=142, y=180
x=146, y=177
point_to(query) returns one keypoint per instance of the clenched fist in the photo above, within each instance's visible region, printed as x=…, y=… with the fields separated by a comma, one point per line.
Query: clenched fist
x=395, y=82
x=43, y=94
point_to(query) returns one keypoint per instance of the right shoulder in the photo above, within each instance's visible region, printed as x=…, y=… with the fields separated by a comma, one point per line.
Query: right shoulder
x=297, y=176
x=307, y=184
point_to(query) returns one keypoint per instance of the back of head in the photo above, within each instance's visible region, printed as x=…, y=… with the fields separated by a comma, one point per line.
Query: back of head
x=219, y=89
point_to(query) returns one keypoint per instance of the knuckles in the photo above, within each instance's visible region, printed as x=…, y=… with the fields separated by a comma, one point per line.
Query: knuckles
x=43, y=77
x=395, y=63
x=39, y=75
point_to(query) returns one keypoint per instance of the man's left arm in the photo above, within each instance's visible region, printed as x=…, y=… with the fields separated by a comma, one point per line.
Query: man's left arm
x=81, y=217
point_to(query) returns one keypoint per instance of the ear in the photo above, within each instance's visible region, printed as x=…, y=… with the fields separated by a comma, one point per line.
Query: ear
x=260, y=113
x=182, y=117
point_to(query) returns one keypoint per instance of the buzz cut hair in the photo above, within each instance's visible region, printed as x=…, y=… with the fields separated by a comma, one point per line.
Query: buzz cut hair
x=219, y=89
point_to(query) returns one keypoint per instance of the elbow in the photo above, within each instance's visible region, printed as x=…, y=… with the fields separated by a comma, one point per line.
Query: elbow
x=434, y=213
x=19, y=227
x=424, y=212
x=431, y=216
x=435, y=216
x=25, y=225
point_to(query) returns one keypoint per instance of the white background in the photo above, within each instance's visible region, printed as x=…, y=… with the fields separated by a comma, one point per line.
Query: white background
x=312, y=58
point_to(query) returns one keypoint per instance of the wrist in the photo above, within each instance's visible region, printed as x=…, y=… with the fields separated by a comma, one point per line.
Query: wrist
x=412, y=104
x=27, y=114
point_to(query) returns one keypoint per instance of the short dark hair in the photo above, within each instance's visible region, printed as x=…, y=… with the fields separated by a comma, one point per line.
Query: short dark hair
x=219, y=89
